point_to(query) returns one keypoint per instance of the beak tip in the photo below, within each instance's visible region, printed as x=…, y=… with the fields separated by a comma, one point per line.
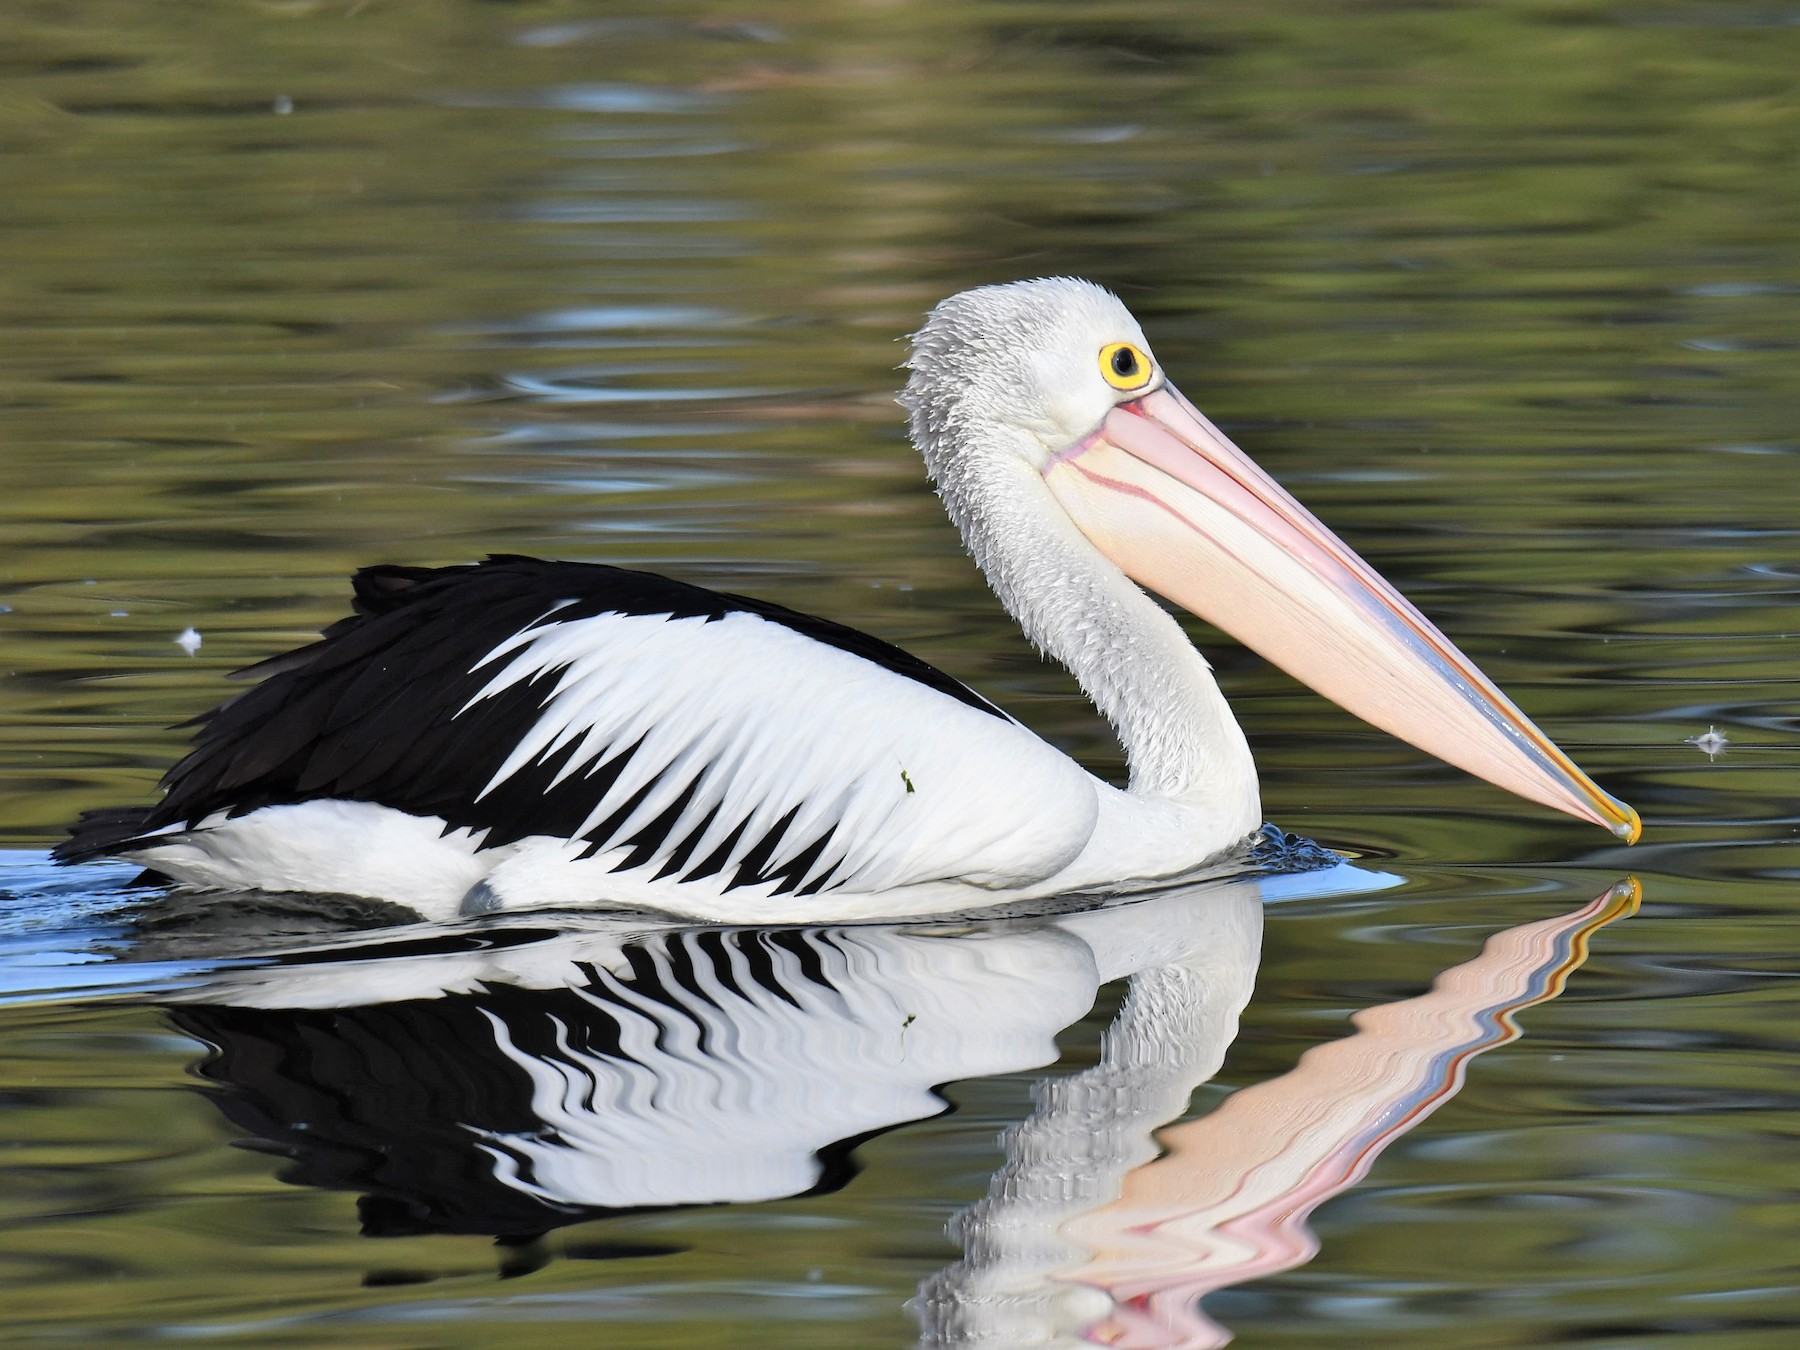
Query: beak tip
x=1623, y=899
x=1628, y=826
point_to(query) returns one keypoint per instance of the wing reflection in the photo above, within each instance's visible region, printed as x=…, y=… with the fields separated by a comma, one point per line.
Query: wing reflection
x=509, y=1080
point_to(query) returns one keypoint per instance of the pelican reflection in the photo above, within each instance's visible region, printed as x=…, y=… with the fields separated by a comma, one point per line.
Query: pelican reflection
x=508, y=1080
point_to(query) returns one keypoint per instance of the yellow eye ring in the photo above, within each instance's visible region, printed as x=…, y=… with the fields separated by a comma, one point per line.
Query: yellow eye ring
x=1125, y=367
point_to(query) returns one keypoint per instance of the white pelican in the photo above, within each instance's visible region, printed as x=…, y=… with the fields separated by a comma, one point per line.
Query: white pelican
x=522, y=733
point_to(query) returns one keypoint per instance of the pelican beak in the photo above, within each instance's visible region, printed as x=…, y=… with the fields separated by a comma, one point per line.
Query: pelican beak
x=1167, y=496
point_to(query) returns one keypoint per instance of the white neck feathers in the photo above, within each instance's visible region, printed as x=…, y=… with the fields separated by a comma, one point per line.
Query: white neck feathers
x=1130, y=657
x=983, y=406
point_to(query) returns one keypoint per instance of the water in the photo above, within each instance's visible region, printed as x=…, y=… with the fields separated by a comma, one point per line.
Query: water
x=1506, y=293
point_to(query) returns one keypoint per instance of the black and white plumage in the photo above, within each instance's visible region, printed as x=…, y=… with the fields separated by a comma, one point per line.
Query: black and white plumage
x=522, y=733
x=564, y=731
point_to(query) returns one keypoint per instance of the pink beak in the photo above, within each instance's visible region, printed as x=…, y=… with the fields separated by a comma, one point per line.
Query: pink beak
x=1167, y=496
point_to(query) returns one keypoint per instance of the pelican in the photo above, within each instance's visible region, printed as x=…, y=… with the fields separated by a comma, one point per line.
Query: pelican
x=519, y=733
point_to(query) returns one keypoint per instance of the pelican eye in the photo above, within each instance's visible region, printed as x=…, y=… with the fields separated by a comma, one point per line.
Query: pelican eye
x=1125, y=367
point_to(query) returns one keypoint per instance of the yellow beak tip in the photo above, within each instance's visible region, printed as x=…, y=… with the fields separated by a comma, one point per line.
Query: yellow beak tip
x=1626, y=896
x=1629, y=827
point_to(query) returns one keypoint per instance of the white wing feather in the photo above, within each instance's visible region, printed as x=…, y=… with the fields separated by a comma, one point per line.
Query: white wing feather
x=755, y=721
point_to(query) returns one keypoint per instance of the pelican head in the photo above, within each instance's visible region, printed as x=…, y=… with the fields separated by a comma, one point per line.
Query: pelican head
x=1055, y=377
